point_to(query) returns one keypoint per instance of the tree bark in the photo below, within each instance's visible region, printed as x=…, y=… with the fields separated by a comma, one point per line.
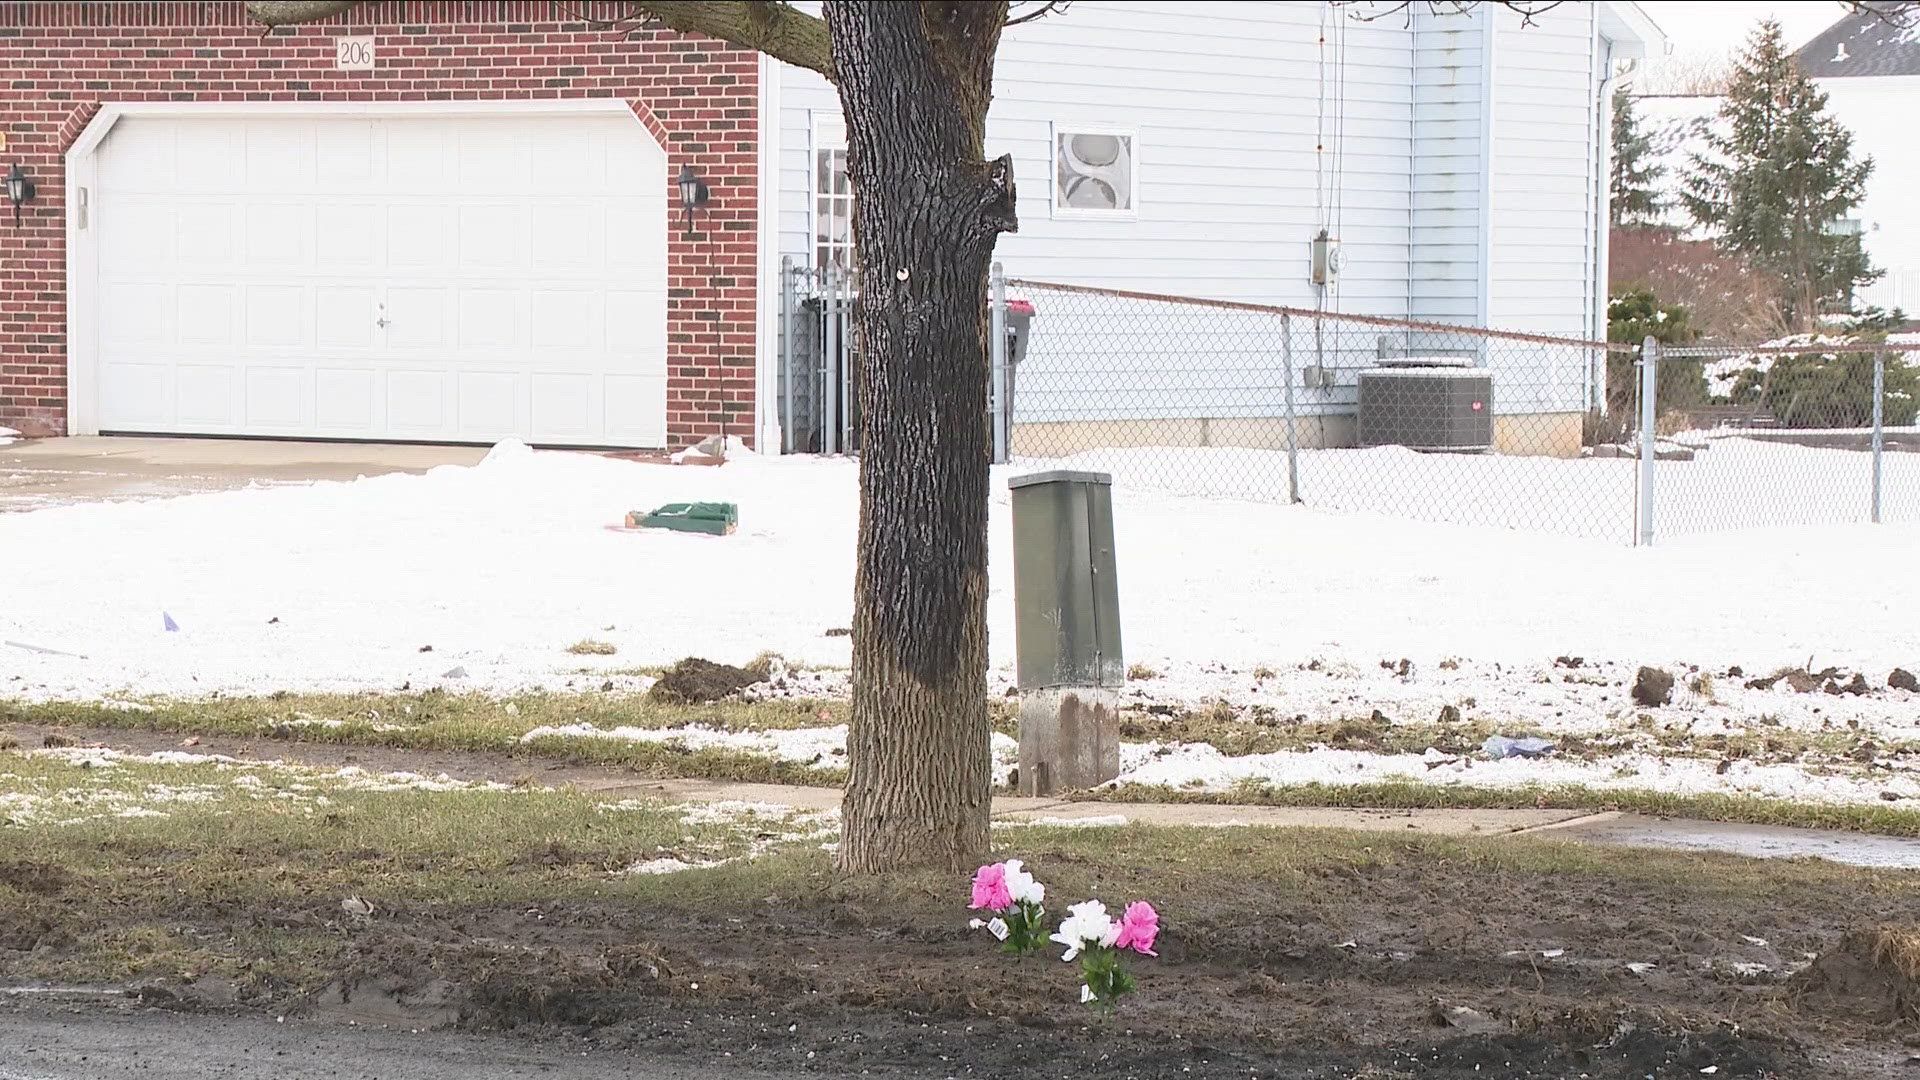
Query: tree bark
x=915, y=80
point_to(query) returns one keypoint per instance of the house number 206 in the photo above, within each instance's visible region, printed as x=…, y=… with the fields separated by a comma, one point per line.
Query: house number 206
x=353, y=53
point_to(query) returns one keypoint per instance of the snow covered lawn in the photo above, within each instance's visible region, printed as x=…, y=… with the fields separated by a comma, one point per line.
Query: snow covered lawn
x=1279, y=611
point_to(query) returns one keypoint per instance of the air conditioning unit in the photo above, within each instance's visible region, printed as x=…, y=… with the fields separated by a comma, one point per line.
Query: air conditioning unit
x=1427, y=403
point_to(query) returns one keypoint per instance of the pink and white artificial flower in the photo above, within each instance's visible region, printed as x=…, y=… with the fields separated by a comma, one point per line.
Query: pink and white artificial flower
x=1139, y=925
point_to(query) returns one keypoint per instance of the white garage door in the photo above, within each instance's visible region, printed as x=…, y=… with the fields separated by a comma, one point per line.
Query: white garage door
x=443, y=278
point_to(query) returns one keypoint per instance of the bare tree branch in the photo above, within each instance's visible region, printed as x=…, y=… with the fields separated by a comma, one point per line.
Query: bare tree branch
x=1900, y=14
x=272, y=13
x=1047, y=7
x=774, y=27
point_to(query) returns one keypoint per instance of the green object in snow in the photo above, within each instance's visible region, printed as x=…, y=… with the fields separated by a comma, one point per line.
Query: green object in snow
x=719, y=519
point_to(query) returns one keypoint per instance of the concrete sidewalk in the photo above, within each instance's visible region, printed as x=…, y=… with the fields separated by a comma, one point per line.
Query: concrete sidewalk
x=1585, y=826
x=38, y=473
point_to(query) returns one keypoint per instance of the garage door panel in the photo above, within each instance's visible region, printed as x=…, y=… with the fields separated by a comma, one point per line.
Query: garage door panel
x=140, y=237
x=487, y=403
x=491, y=319
x=463, y=278
x=344, y=317
x=277, y=236
x=416, y=157
x=205, y=158
x=205, y=235
x=633, y=411
x=279, y=156
x=205, y=394
x=635, y=228
x=492, y=158
x=276, y=397
x=343, y=400
x=417, y=403
x=417, y=318
x=276, y=315
x=581, y=157
x=136, y=313
x=489, y=237
x=134, y=394
x=563, y=405
x=347, y=237
x=205, y=314
x=565, y=319
x=636, y=321
x=420, y=236
x=344, y=156
x=567, y=236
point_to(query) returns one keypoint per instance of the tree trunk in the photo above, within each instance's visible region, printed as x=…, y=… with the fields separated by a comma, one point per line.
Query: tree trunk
x=915, y=80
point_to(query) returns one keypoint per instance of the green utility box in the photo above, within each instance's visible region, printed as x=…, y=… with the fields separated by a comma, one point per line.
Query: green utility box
x=1066, y=595
x=717, y=518
x=1066, y=601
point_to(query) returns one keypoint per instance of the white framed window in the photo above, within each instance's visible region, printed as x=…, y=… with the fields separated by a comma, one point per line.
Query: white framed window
x=1096, y=171
x=832, y=194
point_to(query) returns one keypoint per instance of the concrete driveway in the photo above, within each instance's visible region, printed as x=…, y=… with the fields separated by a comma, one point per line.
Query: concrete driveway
x=37, y=473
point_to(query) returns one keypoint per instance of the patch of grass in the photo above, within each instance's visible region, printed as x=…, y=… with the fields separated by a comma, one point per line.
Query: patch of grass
x=437, y=720
x=247, y=886
x=1409, y=795
x=1898, y=948
x=592, y=647
x=260, y=830
x=1139, y=672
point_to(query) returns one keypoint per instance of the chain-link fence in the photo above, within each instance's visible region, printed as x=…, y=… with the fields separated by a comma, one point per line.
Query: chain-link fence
x=1443, y=423
x=1810, y=431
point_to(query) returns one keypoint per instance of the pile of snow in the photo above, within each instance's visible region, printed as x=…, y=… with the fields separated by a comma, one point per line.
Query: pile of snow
x=499, y=567
x=1723, y=374
x=1197, y=766
x=8, y=436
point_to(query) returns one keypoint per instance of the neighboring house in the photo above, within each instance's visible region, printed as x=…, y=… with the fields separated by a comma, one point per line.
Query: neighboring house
x=1870, y=71
x=459, y=221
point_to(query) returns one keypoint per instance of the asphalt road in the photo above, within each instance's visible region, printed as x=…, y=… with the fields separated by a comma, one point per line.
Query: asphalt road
x=58, y=1045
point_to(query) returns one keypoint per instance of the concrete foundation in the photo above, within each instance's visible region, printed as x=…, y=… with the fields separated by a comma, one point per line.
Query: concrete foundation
x=1516, y=434
x=1069, y=739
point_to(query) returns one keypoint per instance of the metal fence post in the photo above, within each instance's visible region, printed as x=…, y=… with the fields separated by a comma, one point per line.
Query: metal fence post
x=997, y=368
x=1879, y=421
x=830, y=360
x=1649, y=411
x=1293, y=440
x=789, y=356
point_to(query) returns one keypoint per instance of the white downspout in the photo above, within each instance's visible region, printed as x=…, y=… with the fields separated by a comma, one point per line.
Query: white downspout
x=766, y=384
x=1484, y=284
x=1602, y=211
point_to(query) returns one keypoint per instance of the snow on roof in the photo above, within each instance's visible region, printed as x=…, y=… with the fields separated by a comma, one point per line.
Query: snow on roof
x=1862, y=44
x=1677, y=127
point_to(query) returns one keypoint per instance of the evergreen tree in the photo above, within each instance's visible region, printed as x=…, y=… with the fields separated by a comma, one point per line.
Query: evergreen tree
x=1779, y=178
x=1635, y=200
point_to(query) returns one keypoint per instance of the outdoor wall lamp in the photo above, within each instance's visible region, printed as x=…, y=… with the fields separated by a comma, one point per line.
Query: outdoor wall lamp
x=693, y=194
x=20, y=190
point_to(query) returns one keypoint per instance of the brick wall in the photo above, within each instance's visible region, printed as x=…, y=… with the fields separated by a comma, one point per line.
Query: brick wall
x=699, y=97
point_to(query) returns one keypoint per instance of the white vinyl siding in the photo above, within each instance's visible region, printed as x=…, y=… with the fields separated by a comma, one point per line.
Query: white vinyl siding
x=1443, y=281
x=1224, y=99
x=1541, y=265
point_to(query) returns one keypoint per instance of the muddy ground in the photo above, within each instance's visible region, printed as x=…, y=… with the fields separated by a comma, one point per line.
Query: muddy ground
x=1436, y=962
x=1368, y=980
